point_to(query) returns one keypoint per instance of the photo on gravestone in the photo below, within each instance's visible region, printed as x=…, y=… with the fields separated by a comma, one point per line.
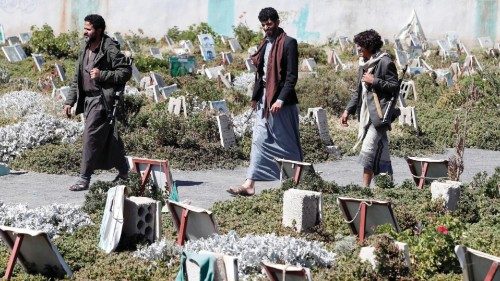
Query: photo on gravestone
x=207, y=52
x=220, y=106
x=39, y=61
x=2, y=35
x=155, y=52
x=226, y=131
x=181, y=65
x=13, y=40
x=24, y=37
x=234, y=44
x=60, y=72
x=20, y=51
x=11, y=54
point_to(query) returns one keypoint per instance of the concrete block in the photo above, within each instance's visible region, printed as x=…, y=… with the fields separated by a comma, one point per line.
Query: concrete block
x=301, y=209
x=447, y=190
x=141, y=216
x=368, y=254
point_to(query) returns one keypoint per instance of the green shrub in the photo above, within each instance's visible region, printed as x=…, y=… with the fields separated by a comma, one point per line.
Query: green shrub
x=44, y=41
x=145, y=63
x=51, y=159
x=246, y=36
x=310, y=51
x=192, y=33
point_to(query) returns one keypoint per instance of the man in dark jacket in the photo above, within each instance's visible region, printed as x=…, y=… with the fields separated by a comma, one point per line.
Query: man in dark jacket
x=101, y=72
x=377, y=83
x=276, y=128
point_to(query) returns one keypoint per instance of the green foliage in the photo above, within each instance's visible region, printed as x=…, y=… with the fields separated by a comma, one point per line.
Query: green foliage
x=313, y=148
x=384, y=181
x=147, y=63
x=391, y=261
x=44, y=41
x=51, y=159
x=246, y=36
x=192, y=33
x=310, y=51
x=404, y=141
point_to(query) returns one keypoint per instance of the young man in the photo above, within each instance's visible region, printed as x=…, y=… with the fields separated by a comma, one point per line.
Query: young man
x=276, y=129
x=101, y=71
x=377, y=83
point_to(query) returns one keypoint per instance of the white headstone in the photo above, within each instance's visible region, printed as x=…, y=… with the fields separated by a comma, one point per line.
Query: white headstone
x=11, y=53
x=301, y=209
x=252, y=50
x=136, y=75
x=24, y=37
x=20, y=51
x=227, y=57
x=213, y=72
x=176, y=105
x=168, y=90
x=13, y=40
x=308, y=65
x=187, y=45
x=170, y=42
x=319, y=115
x=250, y=66
x=157, y=79
x=485, y=42
x=226, y=131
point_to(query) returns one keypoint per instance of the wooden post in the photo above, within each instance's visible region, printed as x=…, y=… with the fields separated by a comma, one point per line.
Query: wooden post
x=362, y=222
x=13, y=256
x=182, y=227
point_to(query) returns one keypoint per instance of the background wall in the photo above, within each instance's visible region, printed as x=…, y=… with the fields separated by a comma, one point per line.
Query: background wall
x=308, y=20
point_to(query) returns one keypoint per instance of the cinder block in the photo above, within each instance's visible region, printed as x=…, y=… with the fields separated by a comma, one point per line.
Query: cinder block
x=141, y=216
x=301, y=209
x=447, y=190
x=368, y=254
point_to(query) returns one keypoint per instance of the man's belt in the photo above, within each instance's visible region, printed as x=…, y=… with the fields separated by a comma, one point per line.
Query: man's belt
x=92, y=93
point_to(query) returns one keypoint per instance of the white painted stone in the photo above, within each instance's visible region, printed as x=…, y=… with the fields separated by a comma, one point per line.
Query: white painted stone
x=141, y=216
x=226, y=131
x=368, y=254
x=308, y=65
x=447, y=190
x=235, y=45
x=301, y=209
x=319, y=115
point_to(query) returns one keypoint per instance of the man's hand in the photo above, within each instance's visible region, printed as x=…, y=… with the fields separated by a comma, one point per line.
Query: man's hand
x=95, y=73
x=67, y=110
x=254, y=104
x=343, y=119
x=277, y=105
x=368, y=78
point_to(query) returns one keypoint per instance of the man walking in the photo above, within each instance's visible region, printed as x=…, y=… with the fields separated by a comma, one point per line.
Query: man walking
x=101, y=71
x=276, y=128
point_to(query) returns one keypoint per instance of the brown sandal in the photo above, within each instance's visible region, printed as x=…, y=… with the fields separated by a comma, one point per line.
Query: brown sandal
x=239, y=191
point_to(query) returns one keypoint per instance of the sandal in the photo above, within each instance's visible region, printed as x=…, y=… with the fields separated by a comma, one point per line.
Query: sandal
x=239, y=191
x=79, y=186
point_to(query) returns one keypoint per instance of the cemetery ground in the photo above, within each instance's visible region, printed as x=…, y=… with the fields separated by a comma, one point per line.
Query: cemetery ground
x=37, y=140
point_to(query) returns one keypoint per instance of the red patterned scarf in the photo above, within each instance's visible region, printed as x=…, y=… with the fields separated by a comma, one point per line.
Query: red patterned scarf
x=273, y=66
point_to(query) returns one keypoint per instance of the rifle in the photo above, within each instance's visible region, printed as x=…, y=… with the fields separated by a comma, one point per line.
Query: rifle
x=392, y=102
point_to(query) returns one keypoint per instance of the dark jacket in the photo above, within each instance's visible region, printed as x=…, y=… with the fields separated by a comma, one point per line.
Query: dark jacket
x=384, y=85
x=289, y=72
x=114, y=73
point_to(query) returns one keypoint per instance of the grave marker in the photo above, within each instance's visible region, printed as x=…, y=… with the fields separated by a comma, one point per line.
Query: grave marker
x=225, y=78
x=283, y=272
x=181, y=65
x=426, y=170
x=136, y=75
x=452, y=38
x=250, y=66
x=446, y=50
x=470, y=65
x=213, y=72
x=401, y=58
x=187, y=45
x=408, y=117
x=170, y=42
x=226, y=132
x=155, y=52
x=64, y=92
x=252, y=50
x=13, y=40
x=207, y=46
x=290, y=169
x=334, y=60
x=343, y=42
x=35, y=252
x=301, y=209
x=24, y=37
x=11, y=54
x=219, y=106
x=477, y=265
x=155, y=170
x=20, y=51
x=235, y=45
x=157, y=79
x=2, y=35
x=176, y=105
x=60, y=72
x=39, y=61
x=227, y=57
x=486, y=43
x=319, y=115
x=308, y=64
x=168, y=90
x=119, y=39
x=407, y=87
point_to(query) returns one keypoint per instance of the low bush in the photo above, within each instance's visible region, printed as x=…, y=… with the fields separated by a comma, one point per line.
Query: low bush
x=44, y=41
